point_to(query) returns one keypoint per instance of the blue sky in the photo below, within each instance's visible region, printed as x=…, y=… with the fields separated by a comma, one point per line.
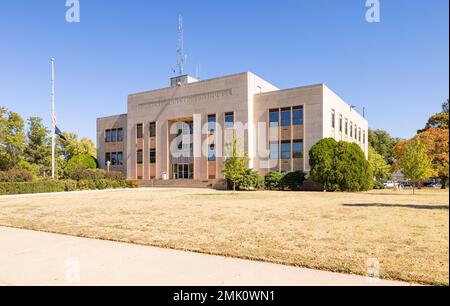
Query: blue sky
x=397, y=69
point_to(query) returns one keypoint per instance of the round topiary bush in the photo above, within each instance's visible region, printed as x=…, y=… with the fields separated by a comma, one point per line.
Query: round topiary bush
x=273, y=180
x=79, y=162
x=293, y=180
x=340, y=166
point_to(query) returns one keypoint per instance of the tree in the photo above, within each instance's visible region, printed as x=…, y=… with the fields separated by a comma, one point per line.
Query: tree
x=39, y=145
x=340, y=166
x=73, y=146
x=380, y=168
x=415, y=163
x=235, y=166
x=436, y=142
x=12, y=139
x=383, y=144
x=440, y=120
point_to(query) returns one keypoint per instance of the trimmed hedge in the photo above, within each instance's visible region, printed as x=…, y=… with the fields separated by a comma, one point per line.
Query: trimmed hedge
x=285, y=181
x=15, y=175
x=47, y=186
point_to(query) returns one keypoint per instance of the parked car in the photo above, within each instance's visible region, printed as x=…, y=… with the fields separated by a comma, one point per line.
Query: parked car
x=389, y=184
x=406, y=184
x=434, y=185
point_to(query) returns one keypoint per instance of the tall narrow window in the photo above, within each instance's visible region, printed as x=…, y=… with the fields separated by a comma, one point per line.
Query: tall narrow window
x=274, y=150
x=113, y=135
x=114, y=159
x=346, y=126
x=333, y=119
x=340, y=123
x=107, y=158
x=120, y=159
x=140, y=131
x=139, y=157
x=286, y=117
x=212, y=152
x=152, y=156
x=229, y=120
x=297, y=114
x=359, y=134
x=297, y=149
x=274, y=117
x=108, y=136
x=119, y=135
x=351, y=129
x=285, y=150
x=152, y=129
x=212, y=123
x=356, y=132
x=364, y=137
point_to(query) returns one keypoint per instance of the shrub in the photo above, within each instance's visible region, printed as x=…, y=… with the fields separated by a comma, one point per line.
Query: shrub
x=87, y=185
x=249, y=180
x=70, y=185
x=293, y=180
x=43, y=186
x=16, y=176
x=133, y=184
x=273, y=180
x=115, y=175
x=87, y=174
x=81, y=161
x=340, y=166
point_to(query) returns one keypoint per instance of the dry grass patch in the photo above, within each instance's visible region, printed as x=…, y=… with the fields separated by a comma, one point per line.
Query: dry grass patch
x=409, y=235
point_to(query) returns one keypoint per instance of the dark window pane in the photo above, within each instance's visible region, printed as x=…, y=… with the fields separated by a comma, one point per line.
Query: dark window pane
x=107, y=158
x=274, y=118
x=333, y=119
x=140, y=131
x=274, y=151
x=120, y=158
x=114, y=159
x=286, y=117
x=298, y=149
x=119, y=135
x=152, y=156
x=139, y=157
x=212, y=153
x=351, y=129
x=114, y=135
x=340, y=124
x=297, y=115
x=212, y=123
x=286, y=150
x=229, y=120
x=108, y=136
x=152, y=129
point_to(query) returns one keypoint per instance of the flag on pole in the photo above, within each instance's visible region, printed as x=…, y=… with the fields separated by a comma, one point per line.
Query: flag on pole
x=59, y=133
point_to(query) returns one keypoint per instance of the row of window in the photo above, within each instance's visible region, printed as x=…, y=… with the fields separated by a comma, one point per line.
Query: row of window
x=348, y=128
x=288, y=150
x=140, y=156
x=114, y=135
x=212, y=122
x=115, y=158
x=151, y=130
x=286, y=116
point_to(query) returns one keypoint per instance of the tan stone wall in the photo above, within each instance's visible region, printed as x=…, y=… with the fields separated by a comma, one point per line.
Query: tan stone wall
x=113, y=122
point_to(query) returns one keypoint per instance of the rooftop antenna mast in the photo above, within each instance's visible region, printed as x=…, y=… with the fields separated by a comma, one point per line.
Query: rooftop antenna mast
x=180, y=50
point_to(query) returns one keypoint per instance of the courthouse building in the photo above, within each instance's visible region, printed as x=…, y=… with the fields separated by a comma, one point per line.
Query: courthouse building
x=185, y=131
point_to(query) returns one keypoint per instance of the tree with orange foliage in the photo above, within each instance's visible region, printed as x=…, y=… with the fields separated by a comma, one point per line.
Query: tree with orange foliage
x=436, y=142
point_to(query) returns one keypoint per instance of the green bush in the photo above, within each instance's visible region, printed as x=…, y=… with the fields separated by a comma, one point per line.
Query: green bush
x=273, y=180
x=81, y=161
x=16, y=176
x=115, y=175
x=293, y=180
x=43, y=186
x=340, y=166
x=87, y=174
x=250, y=180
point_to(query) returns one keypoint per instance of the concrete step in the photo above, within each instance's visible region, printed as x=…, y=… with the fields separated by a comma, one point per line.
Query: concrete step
x=212, y=184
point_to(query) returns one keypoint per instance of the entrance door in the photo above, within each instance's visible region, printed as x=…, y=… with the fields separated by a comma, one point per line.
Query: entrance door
x=183, y=171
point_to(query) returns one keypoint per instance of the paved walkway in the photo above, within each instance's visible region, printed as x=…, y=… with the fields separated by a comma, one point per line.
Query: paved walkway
x=34, y=258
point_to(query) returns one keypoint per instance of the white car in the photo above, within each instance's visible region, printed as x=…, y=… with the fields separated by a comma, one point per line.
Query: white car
x=389, y=184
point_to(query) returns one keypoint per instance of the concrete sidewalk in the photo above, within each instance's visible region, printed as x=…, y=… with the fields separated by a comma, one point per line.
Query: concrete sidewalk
x=35, y=258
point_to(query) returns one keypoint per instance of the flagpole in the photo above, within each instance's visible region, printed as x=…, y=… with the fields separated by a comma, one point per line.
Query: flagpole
x=53, y=117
